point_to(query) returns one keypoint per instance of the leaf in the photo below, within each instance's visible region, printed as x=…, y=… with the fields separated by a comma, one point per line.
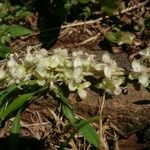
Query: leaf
x=15, y=132
x=67, y=111
x=86, y=12
x=4, y=51
x=15, y=105
x=88, y=132
x=16, y=31
x=108, y=6
x=15, y=129
x=120, y=37
x=80, y=125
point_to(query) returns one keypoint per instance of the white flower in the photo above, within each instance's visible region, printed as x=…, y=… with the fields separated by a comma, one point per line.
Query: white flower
x=144, y=79
x=80, y=88
x=61, y=52
x=77, y=62
x=139, y=72
x=77, y=74
x=112, y=85
x=72, y=85
x=82, y=94
x=11, y=62
x=41, y=71
x=54, y=61
x=98, y=66
x=2, y=74
x=29, y=57
x=41, y=82
x=18, y=72
x=137, y=67
x=145, y=52
x=110, y=66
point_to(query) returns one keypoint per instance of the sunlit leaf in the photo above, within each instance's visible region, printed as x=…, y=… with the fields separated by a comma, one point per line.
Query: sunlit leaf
x=88, y=132
x=16, y=31
x=120, y=37
x=16, y=104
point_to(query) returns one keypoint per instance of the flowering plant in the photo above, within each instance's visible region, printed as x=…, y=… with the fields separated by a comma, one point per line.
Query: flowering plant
x=46, y=71
x=72, y=69
x=141, y=68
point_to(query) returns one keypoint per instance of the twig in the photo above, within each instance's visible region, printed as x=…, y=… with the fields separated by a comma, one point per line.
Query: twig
x=103, y=142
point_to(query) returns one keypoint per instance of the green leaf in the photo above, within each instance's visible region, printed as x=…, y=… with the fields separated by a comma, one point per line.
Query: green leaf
x=16, y=104
x=15, y=129
x=67, y=111
x=4, y=51
x=16, y=31
x=88, y=132
x=108, y=6
x=86, y=12
x=15, y=132
x=80, y=125
x=120, y=37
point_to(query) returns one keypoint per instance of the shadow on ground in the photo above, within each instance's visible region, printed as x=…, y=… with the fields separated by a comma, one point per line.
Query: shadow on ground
x=22, y=143
x=49, y=18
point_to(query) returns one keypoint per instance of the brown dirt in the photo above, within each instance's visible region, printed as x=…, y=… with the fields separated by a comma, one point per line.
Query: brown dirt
x=43, y=123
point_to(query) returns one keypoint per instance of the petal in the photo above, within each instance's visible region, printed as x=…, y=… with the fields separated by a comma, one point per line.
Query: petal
x=41, y=82
x=77, y=62
x=77, y=74
x=85, y=85
x=106, y=57
x=108, y=71
x=54, y=61
x=137, y=67
x=82, y=94
x=98, y=67
x=117, y=91
x=72, y=86
x=144, y=80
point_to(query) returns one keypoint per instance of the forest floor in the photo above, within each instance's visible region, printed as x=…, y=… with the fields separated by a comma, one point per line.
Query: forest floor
x=126, y=115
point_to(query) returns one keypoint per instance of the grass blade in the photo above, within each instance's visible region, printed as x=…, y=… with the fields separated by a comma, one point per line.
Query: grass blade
x=14, y=133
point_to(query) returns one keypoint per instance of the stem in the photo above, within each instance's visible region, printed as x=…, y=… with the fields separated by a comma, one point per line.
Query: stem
x=103, y=142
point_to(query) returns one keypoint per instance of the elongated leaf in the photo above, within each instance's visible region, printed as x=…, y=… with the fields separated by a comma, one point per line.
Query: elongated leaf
x=15, y=129
x=88, y=132
x=80, y=125
x=4, y=51
x=17, y=31
x=14, y=133
x=13, y=89
x=67, y=111
x=16, y=104
x=7, y=94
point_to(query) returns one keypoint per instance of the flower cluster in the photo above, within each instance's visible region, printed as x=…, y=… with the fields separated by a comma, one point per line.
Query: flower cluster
x=72, y=69
x=141, y=68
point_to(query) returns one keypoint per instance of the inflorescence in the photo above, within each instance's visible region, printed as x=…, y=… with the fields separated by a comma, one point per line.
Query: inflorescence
x=72, y=69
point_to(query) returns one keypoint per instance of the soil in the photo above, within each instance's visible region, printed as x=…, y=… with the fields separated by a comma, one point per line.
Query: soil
x=128, y=115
